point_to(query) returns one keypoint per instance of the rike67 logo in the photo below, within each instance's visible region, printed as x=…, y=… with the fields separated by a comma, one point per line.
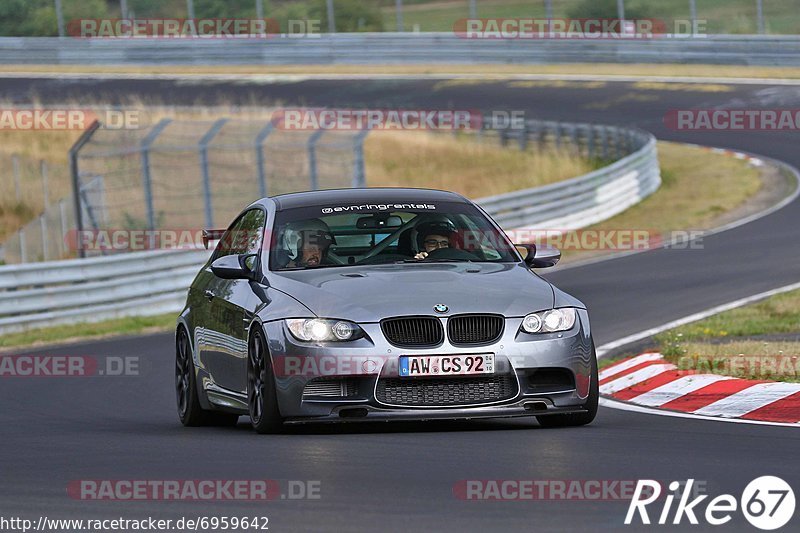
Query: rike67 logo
x=767, y=503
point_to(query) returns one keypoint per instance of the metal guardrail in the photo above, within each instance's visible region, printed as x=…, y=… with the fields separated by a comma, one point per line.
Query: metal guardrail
x=63, y=292
x=141, y=283
x=398, y=48
x=590, y=198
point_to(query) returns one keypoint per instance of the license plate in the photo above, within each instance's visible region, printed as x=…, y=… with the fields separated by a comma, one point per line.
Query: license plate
x=446, y=365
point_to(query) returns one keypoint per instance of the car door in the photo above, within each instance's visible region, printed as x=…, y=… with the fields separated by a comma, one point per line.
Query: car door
x=232, y=306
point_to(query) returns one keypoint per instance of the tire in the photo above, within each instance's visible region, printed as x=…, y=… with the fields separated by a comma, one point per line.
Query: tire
x=578, y=419
x=190, y=412
x=262, y=397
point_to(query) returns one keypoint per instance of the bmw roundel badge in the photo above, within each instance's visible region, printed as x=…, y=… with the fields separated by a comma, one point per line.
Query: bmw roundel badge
x=441, y=308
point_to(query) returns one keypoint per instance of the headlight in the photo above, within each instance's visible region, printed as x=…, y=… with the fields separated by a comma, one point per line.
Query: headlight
x=323, y=330
x=550, y=321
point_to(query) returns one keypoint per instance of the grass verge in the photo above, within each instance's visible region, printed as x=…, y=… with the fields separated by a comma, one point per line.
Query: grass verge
x=751, y=342
x=480, y=71
x=135, y=325
x=393, y=158
x=460, y=164
x=698, y=188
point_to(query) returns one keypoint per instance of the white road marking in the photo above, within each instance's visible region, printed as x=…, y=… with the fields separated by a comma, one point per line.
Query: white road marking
x=675, y=389
x=635, y=377
x=749, y=399
x=628, y=363
x=624, y=406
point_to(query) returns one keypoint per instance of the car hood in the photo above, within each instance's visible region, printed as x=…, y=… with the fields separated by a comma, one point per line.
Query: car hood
x=371, y=293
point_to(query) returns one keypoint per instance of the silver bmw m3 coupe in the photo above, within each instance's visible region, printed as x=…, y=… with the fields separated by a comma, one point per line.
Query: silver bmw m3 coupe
x=379, y=304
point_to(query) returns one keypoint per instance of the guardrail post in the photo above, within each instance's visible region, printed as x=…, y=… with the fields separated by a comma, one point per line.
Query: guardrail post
x=147, y=180
x=203, y=146
x=312, y=159
x=259, y=145
x=76, y=181
x=359, y=173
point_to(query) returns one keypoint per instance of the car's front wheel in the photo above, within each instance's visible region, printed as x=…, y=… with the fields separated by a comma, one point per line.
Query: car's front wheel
x=578, y=419
x=190, y=411
x=262, y=398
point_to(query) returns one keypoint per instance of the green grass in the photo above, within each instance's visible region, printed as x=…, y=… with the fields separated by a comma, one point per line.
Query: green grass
x=724, y=343
x=95, y=330
x=778, y=314
x=697, y=186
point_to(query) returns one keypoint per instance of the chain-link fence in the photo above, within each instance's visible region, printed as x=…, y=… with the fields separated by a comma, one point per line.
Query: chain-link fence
x=181, y=174
x=185, y=175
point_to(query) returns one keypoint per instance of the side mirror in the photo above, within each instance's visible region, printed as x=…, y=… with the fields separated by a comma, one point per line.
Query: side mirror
x=544, y=257
x=234, y=266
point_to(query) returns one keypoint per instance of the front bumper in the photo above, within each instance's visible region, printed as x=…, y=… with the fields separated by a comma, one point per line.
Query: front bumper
x=363, y=362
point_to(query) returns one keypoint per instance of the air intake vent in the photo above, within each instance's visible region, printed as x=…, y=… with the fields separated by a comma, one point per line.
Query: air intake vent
x=471, y=330
x=330, y=388
x=413, y=332
x=444, y=392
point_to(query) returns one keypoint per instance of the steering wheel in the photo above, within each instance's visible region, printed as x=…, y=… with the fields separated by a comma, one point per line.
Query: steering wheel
x=451, y=253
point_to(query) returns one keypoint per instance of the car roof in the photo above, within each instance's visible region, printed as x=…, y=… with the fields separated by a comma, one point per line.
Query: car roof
x=374, y=195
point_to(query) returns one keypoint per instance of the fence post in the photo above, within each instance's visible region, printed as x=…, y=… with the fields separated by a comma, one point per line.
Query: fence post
x=15, y=170
x=558, y=136
x=359, y=173
x=604, y=140
x=45, y=190
x=76, y=181
x=147, y=180
x=312, y=159
x=331, y=20
x=204, y=142
x=590, y=141
x=43, y=226
x=473, y=9
x=62, y=211
x=760, y=15
x=523, y=137
x=259, y=145
x=399, y=9
x=59, y=18
x=23, y=248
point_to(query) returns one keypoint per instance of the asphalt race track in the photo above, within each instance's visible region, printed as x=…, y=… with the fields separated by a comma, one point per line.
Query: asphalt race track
x=400, y=477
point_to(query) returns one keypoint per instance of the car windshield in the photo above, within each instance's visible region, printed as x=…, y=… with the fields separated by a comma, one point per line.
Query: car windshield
x=345, y=235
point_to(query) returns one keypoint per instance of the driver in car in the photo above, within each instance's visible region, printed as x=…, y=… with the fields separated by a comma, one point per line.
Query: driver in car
x=307, y=243
x=433, y=236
